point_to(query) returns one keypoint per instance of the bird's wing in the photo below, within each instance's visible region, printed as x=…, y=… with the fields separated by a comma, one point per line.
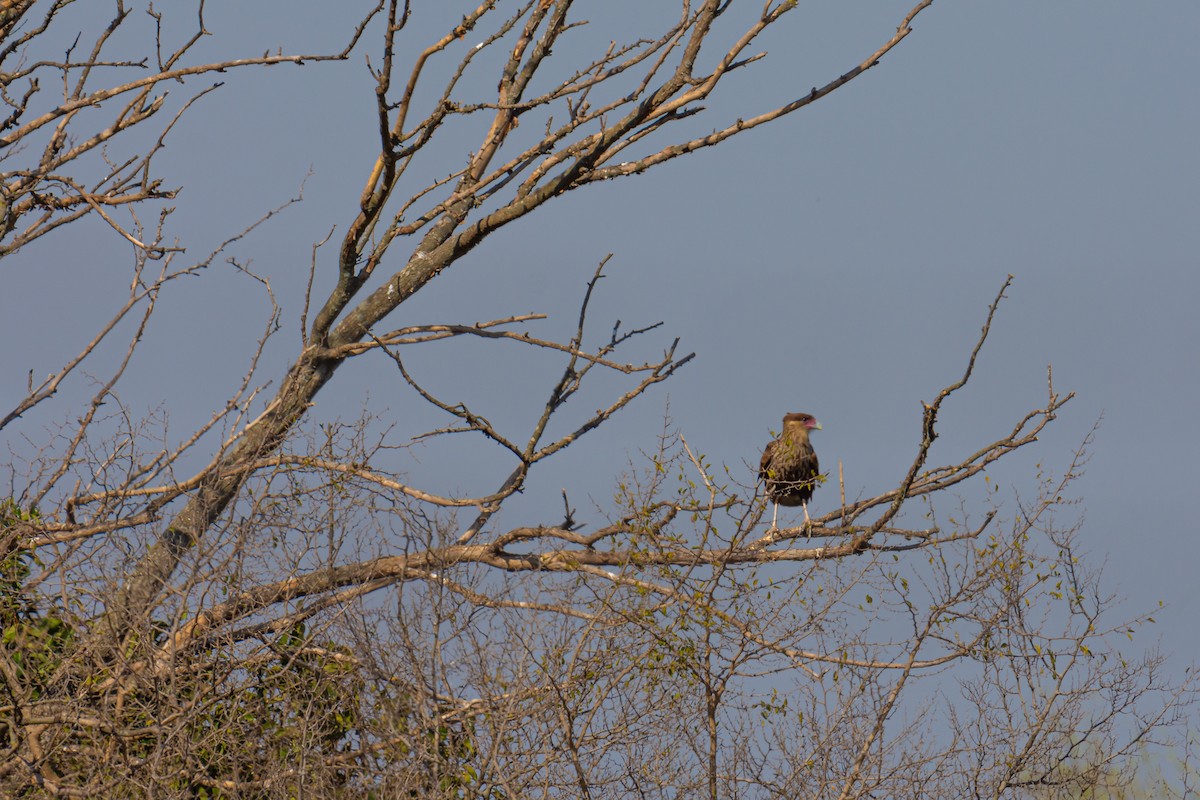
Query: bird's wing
x=768, y=452
x=809, y=467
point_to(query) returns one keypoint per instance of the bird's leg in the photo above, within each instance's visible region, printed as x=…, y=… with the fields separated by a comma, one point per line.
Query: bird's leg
x=807, y=521
x=774, y=517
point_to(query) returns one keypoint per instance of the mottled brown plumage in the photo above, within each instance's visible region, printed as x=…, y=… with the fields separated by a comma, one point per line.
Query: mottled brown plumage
x=789, y=466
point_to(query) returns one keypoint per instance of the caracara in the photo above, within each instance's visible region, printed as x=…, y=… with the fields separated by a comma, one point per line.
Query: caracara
x=789, y=465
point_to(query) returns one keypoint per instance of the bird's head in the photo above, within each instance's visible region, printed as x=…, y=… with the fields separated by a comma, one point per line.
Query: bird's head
x=804, y=422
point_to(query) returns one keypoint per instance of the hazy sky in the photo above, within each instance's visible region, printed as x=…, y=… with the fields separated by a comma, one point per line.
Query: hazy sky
x=838, y=262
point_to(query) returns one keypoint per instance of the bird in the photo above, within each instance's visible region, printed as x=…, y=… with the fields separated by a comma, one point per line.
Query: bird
x=789, y=465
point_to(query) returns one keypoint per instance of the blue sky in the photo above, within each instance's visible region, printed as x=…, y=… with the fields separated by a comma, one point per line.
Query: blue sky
x=838, y=262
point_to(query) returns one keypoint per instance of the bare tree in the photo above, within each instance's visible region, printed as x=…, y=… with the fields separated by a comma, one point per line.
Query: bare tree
x=297, y=616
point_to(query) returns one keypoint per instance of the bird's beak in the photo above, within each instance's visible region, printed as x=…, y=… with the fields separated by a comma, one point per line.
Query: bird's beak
x=817, y=425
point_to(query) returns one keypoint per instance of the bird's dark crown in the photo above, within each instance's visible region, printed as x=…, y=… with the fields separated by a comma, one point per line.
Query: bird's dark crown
x=807, y=420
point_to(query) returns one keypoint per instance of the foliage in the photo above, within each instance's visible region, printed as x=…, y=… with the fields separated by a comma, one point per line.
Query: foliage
x=33, y=641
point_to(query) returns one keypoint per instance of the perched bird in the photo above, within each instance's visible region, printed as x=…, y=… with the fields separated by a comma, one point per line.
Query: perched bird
x=789, y=465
